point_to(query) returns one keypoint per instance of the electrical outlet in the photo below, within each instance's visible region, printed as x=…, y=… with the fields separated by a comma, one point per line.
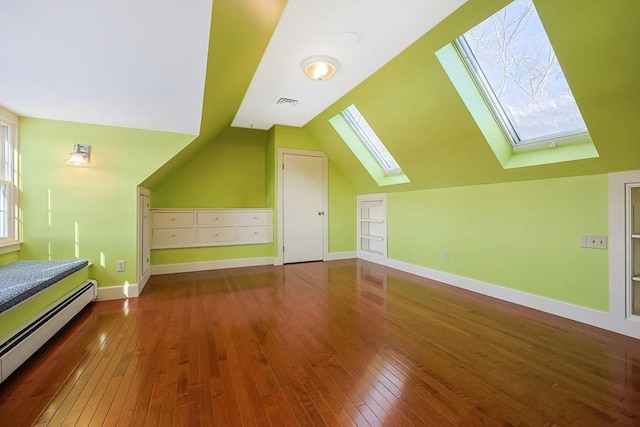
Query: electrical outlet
x=446, y=256
x=594, y=241
x=121, y=266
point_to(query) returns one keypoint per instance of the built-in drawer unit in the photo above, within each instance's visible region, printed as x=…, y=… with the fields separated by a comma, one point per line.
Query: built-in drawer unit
x=254, y=218
x=255, y=234
x=172, y=219
x=217, y=218
x=172, y=237
x=216, y=234
x=184, y=228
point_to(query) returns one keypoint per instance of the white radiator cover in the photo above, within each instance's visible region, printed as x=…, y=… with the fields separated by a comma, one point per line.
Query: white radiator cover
x=18, y=348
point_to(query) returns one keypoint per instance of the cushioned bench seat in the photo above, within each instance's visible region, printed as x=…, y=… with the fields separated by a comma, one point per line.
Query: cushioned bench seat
x=23, y=279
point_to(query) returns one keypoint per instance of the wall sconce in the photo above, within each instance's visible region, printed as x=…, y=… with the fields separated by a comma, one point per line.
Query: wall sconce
x=319, y=67
x=80, y=155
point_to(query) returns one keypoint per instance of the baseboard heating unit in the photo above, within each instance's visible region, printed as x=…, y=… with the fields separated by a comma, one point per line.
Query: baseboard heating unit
x=21, y=345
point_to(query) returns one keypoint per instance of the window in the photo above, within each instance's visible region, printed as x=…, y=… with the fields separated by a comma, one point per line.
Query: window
x=367, y=147
x=510, y=57
x=8, y=178
x=371, y=141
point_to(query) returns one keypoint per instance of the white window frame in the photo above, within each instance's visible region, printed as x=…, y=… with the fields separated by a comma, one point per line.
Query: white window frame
x=370, y=140
x=498, y=112
x=4, y=210
x=10, y=242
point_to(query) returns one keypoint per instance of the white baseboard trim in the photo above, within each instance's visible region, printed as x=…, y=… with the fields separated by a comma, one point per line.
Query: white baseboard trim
x=335, y=256
x=117, y=292
x=378, y=259
x=589, y=316
x=210, y=265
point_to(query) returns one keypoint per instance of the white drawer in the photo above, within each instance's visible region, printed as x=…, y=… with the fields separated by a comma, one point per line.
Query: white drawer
x=172, y=237
x=216, y=234
x=254, y=218
x=172, y=219
x=217, y=218
x=257, y=234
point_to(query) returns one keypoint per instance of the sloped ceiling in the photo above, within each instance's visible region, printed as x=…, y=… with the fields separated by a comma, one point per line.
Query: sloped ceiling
x=411, y=103
x=414, y=108
x=122, y=63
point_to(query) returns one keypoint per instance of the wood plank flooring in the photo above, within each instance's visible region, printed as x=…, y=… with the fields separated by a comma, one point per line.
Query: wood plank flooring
x=339, y=343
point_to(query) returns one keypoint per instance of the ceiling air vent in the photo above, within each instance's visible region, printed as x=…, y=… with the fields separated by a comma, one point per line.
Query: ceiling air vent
x=287, y=101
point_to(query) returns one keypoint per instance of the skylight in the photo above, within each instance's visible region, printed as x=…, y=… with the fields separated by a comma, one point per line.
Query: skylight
x=371, y=141
x=513, y=63
x=363, y=142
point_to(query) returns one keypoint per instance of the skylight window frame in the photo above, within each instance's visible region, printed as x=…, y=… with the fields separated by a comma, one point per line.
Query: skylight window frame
x=476, y=73
x=497, y=110
x=367, y=139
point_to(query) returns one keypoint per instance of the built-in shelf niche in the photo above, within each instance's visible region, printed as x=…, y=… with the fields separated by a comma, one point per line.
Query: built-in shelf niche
x=372, y=225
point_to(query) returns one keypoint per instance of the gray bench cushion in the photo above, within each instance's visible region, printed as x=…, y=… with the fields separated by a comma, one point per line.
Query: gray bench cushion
x=23, y=279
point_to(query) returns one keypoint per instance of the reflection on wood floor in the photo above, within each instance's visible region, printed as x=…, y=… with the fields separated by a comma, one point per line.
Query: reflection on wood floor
x=335, y=343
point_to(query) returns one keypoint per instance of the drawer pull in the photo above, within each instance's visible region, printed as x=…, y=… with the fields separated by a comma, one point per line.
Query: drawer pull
x=255, y=217
x=217, y=234
x=172, y=219
x=255, y=232
x=173, y=235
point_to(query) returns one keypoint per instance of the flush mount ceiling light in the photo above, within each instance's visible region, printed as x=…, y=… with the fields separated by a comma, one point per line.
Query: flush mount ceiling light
x=319, y=67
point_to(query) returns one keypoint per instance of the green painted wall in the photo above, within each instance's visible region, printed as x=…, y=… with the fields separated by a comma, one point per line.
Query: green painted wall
x=521, y=235
x=228, y=173
x=342, y=195
x=294, y=138
x=8, y=258
x=215, y=253
x=343, y=212
x=270, y=168
x=87, y=212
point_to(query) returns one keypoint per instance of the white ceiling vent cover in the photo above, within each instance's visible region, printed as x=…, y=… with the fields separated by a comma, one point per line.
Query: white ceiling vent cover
x=287, y=101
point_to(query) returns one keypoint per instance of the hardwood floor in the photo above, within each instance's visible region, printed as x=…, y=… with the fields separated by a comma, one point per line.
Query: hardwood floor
x=336, y=343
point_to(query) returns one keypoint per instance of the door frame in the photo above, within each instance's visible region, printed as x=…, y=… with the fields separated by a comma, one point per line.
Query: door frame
x=617, y=319
x=142, y=278
x=280, y=192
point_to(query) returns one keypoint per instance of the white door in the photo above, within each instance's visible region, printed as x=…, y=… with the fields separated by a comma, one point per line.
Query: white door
x=145, y=241
x=302, y=209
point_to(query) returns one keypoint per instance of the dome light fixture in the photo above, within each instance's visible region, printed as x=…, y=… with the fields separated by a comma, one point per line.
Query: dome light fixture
x=320, y=67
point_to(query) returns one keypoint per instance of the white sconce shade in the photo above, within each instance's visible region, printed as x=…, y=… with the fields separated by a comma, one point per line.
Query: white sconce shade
x=80, y=155
x=320, y=67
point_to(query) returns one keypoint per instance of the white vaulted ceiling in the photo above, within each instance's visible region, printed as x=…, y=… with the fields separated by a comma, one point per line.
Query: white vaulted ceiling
x=137, y=64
